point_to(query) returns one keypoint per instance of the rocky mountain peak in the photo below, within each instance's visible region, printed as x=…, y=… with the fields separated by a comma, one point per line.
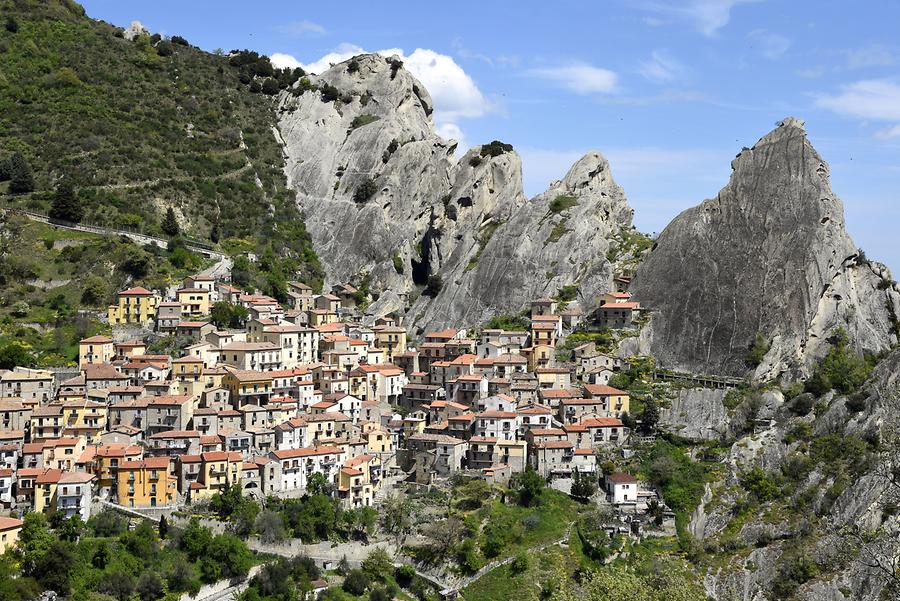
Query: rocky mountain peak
x=769, y=255
x=386, y=202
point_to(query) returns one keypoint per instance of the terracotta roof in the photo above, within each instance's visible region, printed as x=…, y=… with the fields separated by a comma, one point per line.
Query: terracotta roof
x=136, y=291
x=99, y=339
x=603, y=390
x=602, y=422
x=10, y=523
x=621, y=478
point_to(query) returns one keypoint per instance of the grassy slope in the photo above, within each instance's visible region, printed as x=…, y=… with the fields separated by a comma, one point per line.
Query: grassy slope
x=78, y=100
x=45, y=272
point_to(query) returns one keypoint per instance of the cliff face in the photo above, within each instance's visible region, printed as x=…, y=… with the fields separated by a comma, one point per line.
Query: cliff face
x=768, y=255
x=467, y=222
x=836, y=512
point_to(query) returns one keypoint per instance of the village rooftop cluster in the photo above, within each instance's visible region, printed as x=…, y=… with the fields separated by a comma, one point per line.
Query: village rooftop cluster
x=301, y=390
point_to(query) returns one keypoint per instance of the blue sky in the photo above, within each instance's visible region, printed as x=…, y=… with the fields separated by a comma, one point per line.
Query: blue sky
x=668, y=90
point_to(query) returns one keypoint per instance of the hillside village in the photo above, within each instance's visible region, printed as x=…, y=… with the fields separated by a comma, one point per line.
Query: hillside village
x=302, y=390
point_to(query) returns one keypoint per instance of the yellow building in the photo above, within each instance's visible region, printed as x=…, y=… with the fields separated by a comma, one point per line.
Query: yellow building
x=253, y=387
x=194, y=302
x=136, y=305
x=390, y=339
x=84, y=418
x=9, y=533
x=146, y=483
x=45, y=486
x=219, y=470
x=107, y=460
x=359, y=480
x=377, y=439
x=95, y=350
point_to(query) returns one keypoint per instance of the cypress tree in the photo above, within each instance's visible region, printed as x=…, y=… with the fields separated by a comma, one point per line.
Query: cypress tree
x=169, y=224
x=66, y=204
x=20, y=178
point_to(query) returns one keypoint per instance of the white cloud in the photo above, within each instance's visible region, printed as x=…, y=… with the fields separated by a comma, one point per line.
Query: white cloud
x=877, y=99
x=706, y=16
x=284, y=61
x=873, y=55
x=580, y=78
x=303, y=27
x=770, y=45
x=889, y=133
x=662, y=68
x=338, y=55
x=454, y=92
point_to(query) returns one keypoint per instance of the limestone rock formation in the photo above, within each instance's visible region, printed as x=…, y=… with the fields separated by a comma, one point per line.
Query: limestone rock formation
x=769, y=255
x=387, y=203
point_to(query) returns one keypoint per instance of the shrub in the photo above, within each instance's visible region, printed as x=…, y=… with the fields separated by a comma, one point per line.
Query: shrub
x=801, y=431
x=803, y=404
x=356, y=582
x=177, y=39
x=495, y=149
x=364, y=191
x=434, y=286
x=758, y=350
x=475, y=161
x=361, y=120
x=396, y=63
x=12, y=25
x=520, y=564
x=165, y=48
x=270, y=86
x=562, y=202
x=398, y=262
x=353, y=65
x=841, y=369
x=856, y=402
x=760, y=485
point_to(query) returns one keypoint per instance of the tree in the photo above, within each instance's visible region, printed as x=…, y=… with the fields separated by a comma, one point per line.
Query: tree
x=583, y=486
x=650, y=415
x=53, y=569
x=396, y=517
x=270, y=526
x=841, y=369
x=530, y=485
x=356, y=582
x=169, y=224
x=434, y=286
x=270, y=86
x=12, y=25
x=378, y=565
x=150, y=586
x=94, y=291
x=318, y=485
x=118, y=584
x=16, y=354
x=66, y=204
x=163, y=528
x=365, y=190
x=20, y=178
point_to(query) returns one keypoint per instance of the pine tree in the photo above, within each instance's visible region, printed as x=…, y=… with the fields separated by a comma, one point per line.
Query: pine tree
x=20, y=178
x=170, y=223
x=66, y=204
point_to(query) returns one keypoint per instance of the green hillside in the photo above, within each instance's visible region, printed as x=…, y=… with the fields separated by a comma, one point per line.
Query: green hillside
x=146, y=125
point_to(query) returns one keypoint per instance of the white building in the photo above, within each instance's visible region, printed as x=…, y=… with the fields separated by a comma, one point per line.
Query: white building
x=73, y=494
x=297, y=465
x=252, y=356
x=621, y=488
